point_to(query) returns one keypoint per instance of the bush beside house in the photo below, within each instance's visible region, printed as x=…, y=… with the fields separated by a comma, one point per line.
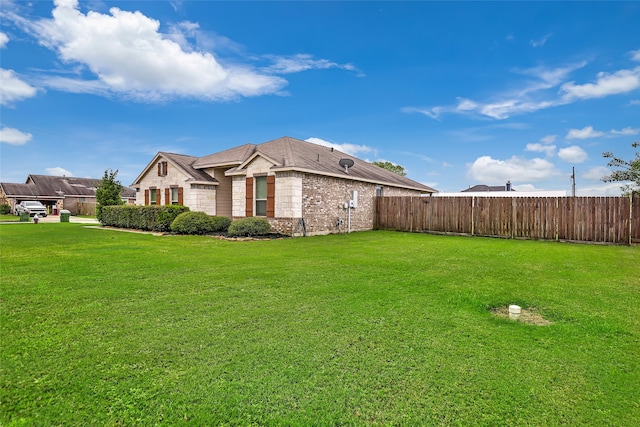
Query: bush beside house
x=149, y=218
x=249, y=227
x=199, y=223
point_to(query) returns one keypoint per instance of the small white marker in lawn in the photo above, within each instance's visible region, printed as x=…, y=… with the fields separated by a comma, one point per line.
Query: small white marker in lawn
x=514, y=312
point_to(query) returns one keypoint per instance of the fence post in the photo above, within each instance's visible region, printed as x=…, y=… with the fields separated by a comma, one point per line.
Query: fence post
x=473, y=204
x=630, y=218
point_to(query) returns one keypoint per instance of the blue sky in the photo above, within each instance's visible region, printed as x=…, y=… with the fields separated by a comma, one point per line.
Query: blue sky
x=459, y=93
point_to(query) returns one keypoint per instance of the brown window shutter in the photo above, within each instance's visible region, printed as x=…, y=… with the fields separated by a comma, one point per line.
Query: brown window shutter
x=249, y=198
x=271, y=196
x=167, y=197
x=180, y=200
x=160, y=169
x=146, y=197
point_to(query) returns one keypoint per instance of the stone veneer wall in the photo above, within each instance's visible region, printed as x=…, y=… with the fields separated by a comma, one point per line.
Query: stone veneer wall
x=197, y=199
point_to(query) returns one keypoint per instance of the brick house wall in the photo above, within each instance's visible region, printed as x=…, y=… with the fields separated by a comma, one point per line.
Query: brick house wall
x=320, y=200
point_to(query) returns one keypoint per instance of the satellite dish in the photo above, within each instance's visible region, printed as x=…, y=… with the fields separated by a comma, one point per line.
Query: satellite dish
x=346, y=164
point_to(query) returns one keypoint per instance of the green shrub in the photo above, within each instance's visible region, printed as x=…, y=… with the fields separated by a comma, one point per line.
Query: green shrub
x=221, y=223
x=5, y=209
x=150, y=217
x=192, y=223
x=251, y=226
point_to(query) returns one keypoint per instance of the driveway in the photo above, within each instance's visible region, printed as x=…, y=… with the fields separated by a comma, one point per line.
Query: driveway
x=56, y=218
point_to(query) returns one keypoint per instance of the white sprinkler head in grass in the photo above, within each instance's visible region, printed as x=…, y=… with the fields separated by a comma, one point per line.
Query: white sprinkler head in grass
x=514, y=311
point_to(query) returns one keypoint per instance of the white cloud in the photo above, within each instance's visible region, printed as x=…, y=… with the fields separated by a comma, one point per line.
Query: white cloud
x=525, y=187
x=549, y=150
x=130, y=57
x=351, y=149
x=622, y=81
x=13, y=136
x=517, y=169
x=447, y=165
x=527, y=98
x=13, y=89
x=535, y=93
x=4, y=39
x=584, y=133
x=634, y=102
x=596, y=173
x=540, y=42
x=58, y=171
x=626, y=131
x=466, y=105
x=635, y=55
x=549, y=139
x=573, y=154
x=604, y=189
x=303, y=62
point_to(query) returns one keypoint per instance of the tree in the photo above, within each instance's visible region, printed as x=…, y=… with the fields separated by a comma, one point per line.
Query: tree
x=391, y=167
x=627, y=171
x=108, y=192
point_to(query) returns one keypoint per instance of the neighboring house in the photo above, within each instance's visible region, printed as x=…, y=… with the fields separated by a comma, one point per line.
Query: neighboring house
x=300, y=187
x=77, y=195
x=502, y=191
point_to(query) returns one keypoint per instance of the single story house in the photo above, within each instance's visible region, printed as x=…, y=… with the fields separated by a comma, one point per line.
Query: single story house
x=482, y=190
x=77, y=195
x=300, y=187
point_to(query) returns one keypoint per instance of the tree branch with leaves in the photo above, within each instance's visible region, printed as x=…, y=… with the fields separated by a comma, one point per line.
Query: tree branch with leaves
x=627, y=170
x=391, y=167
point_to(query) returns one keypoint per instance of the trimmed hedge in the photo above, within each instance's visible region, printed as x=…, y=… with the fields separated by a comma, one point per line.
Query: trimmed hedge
x=149, y=218
x=251, y=226
x=199, y=223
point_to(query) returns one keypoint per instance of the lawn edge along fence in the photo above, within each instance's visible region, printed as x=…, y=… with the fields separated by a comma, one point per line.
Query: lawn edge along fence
x=582, y=219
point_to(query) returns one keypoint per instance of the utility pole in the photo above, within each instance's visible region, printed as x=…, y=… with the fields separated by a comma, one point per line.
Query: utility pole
x=573, y=182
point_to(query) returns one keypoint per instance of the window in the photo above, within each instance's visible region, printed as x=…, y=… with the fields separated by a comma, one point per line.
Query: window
x=379, y=191
x=261, y=195
x=153, y=199
x=162, y=169
x=174, y=195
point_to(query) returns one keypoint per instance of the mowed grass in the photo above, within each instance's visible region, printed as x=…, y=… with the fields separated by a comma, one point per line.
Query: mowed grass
x=109, y=328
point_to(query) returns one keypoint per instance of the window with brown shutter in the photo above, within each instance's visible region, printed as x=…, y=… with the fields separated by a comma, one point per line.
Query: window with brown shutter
x=271, y=196
x=162, y=169
x=146, y=197
x=249, y=197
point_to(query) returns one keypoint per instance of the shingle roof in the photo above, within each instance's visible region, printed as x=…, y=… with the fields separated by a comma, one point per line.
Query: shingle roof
x=185, y=163
x=295, y=154
x=41, y=186
x=230, y=157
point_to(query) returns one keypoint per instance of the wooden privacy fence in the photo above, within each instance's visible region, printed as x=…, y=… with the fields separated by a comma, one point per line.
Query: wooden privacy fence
x=587, y=219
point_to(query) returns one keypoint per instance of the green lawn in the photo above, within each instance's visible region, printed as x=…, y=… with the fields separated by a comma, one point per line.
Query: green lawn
x=103, y=327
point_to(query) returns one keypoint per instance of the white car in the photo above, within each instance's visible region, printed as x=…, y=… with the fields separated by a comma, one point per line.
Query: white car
x=31, y=207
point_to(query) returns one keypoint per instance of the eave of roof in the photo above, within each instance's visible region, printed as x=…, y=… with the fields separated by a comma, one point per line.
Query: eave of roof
x=290, y=154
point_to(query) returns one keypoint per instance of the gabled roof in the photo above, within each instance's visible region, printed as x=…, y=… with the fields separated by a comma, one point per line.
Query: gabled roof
x=231, y=157
x=47, y=186
x=182, y=162
x=297, y=155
